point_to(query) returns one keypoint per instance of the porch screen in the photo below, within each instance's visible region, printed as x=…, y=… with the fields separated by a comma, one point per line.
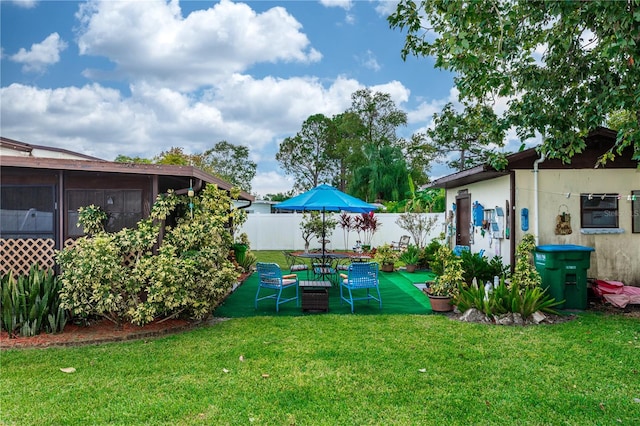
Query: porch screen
x=123, y=207
x=27, y=211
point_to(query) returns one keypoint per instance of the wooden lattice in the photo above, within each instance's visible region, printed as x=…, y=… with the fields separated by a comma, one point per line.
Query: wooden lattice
x=18, y=255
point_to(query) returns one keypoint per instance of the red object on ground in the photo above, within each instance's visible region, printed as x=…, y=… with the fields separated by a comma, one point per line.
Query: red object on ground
x=617, y=293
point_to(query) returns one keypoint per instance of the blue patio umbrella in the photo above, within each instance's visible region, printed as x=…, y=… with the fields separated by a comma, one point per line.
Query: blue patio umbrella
x=325, y=198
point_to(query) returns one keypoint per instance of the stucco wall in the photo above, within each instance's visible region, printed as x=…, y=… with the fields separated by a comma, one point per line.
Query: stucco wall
x=616, y=256
x=490, y=193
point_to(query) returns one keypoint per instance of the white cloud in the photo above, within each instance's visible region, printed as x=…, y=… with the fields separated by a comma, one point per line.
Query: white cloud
x=271, y=183
x=386, y=7
x=41, y=54
x=27, y=4
x=345, y=4
x=369, y=61
x=151, y=40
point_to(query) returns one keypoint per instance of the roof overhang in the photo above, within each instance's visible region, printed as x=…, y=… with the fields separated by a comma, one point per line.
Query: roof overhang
x=121, y=168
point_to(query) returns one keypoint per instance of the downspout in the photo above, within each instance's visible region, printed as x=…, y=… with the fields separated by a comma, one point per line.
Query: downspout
x=535, y=200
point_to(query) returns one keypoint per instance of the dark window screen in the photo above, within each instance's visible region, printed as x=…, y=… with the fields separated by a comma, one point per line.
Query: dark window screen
x=123, y=207
x=27, y=211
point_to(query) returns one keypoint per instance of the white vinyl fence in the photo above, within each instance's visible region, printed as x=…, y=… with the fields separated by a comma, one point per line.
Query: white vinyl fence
x=282, y=232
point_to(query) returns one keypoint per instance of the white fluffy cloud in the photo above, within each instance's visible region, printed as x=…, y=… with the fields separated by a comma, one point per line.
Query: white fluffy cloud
x=153, y=41
x=41, y=54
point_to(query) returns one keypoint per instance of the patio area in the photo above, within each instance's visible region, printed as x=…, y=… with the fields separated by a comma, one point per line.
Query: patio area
x=399, y=295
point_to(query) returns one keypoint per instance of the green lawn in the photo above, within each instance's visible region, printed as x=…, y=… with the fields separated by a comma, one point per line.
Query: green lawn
x=337, y=370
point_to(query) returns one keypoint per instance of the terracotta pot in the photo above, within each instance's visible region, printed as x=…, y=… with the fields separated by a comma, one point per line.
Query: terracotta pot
x=440, y=303
x=411, y=268
x=387, y=267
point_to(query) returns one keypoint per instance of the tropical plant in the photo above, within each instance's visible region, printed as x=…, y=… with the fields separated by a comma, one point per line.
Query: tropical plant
x=92, y=219
x=525, y=273
x=348, y=224
x=449, y=282
x=411, y=255
x=505, y=299
x=367, y=224
x=386, y=255
x=30, y=303
x=428, y=256
x=481, y=268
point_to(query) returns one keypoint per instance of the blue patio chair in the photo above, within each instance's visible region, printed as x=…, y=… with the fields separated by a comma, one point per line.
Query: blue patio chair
x=270, y=277
x=360, y=277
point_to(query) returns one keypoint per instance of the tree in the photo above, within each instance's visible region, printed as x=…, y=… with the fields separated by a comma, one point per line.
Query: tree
x=306, y=155
x=175, y=156
x=418, y=154
x=229, y=162
x=379, y=115
x=347, y=149
x=470, y=133
x=588, y=70
x=126, y=159
x=384, y=177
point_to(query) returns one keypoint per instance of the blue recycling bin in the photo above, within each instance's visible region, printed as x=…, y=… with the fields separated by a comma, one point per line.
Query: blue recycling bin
x=563, y=269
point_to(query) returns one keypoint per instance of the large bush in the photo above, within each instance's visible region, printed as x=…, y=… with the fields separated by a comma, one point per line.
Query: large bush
x=134, y=275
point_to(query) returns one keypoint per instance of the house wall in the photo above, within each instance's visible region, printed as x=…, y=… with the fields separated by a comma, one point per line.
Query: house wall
x=616, y=256
x=490, y=194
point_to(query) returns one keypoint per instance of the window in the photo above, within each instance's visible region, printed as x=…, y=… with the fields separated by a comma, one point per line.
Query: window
x=123, y=207
x=27, y=211
x=635, y=211
x=599, y=210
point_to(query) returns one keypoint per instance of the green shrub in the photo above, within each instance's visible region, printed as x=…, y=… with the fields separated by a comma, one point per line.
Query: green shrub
x=504, y=299
x=523, y=295
x=31, y=304
x=411, y=255
x=117, y=276
x=481, y=268
x=428, y=254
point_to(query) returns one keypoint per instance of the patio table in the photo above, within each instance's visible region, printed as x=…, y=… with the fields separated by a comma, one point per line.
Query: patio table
x=323, y=268
x=315, y=295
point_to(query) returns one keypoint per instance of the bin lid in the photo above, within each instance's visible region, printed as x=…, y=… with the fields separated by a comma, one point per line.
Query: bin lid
x=563, y=247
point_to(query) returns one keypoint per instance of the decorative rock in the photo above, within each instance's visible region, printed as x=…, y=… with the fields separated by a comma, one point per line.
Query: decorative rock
x=506, y=319
x=517, y=319
x=537, y=317
x=474, y=315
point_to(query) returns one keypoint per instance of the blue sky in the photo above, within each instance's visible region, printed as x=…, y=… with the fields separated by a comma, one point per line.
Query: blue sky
x=139, y=77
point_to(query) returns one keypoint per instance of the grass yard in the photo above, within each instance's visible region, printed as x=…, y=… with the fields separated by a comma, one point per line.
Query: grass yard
x=337, y=370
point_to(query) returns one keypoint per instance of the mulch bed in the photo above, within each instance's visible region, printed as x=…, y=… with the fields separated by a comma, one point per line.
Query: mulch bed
x=101, y=331
x=104, y=331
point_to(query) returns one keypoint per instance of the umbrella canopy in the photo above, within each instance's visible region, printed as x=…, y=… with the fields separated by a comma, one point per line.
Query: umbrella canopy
x=326, y=198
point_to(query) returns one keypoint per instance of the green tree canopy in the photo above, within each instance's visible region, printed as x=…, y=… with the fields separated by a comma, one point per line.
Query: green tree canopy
x=588, y=68
x=471, y=133
x=307, y=155
x=379, y=115
x=229, y=162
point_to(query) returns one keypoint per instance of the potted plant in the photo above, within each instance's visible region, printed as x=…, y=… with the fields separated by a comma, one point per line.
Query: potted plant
x=446, y=286
x=410, y=257
x=386, y=256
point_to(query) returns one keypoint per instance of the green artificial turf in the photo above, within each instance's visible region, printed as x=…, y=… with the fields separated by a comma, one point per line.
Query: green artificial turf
x=398, y=294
